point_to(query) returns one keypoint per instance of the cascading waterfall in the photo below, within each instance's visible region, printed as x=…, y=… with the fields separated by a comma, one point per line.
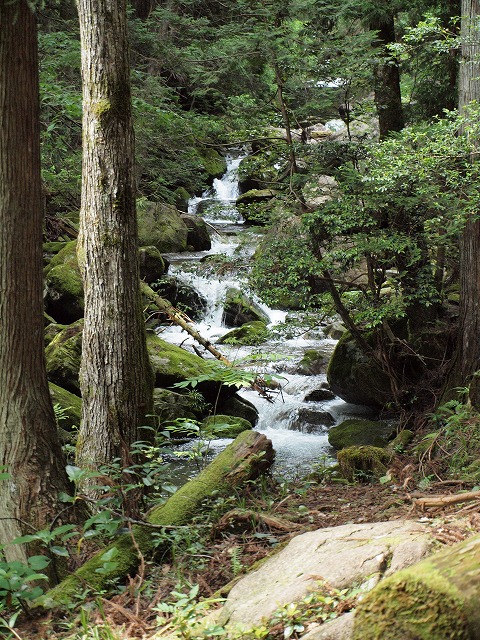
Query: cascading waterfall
x=293, y=424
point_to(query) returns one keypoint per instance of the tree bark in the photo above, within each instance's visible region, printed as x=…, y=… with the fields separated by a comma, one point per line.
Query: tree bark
x=436, y=598
x=244, y=459
x=115, y=377
x=388, y=99
x=467, y=358
x=29, y=446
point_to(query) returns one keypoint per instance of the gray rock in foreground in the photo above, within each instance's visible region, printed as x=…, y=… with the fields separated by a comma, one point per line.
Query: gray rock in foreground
x=352, y=554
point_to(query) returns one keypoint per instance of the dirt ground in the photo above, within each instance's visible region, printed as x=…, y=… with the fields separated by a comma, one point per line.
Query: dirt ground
x=243, y=536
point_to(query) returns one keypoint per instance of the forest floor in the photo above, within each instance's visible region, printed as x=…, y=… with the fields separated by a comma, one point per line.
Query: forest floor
x=218, y=550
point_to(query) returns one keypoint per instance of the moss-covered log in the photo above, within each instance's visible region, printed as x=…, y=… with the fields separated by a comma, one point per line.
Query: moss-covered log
x=436, y=598
x=244, y=459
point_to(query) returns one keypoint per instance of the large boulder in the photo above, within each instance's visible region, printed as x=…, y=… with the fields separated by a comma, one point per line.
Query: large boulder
x=308, y=420
x=63, y=294
x=161, y=225
x=239, y=309
x=352, y=555
x=63, y=356
x=355, y=431
x=354, y=376
x=214, y=164
x=172, y=364
x=324, y=189
x=312, y=363
x=198, y=237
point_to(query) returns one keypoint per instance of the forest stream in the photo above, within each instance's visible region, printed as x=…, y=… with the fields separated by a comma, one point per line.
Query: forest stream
x=297, y=427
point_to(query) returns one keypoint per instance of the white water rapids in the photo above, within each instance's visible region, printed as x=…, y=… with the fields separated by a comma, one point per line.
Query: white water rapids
x=298, y=443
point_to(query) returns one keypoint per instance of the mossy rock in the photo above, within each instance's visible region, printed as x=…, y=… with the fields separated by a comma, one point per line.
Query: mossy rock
x=239, y=309
x=172, y=364
x=64, y=293
x=312, y=363
x=222, y=426
x=363, y=462
x=198, y=238
x=255, y=195
x=51, y=330
x=356, y=431
x=161, y=225
x=63, y=356
x=356, y=378
x=66, y=255
x=69, y=403
x=152, y=265
x=401, y=441
x=213, y=162
x=51, y=249
x=319, y=395
x=181, y=198
x=249, y=334
x=168, y=406
x=239, y=407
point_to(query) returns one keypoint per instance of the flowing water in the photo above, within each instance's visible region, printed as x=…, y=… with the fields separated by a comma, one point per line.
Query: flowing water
x=297, y=428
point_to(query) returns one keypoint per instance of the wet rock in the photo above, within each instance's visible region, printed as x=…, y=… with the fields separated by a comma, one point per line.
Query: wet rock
x=63, y=356
x=335, y=330
x=250, y=333
x=311, y=421
x=239, y=309
x=168, y=406
x=312, y=364
x=152, y=265
x=223, y=426
x=237, y=406
x=182, y=296
x=319, y=395
x=198, y=237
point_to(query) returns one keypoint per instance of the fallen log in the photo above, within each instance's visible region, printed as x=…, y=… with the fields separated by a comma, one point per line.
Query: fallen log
x=432, y=502
x=249, y=455
x=436, y=598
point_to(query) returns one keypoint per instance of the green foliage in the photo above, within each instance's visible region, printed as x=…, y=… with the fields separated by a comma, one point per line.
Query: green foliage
x=19, y=582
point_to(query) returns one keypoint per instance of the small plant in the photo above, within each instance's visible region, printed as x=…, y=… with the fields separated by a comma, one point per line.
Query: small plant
x=19, y=582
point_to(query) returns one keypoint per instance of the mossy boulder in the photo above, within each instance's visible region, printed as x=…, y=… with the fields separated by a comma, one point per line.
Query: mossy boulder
x=172, y=364
x=356, y=431
x=182, y=296
x=239, y=407
x=355, y=378
x=51, y=330
x=161, y=225
x=168, y=406
x=63, y=356
x=363, y=462
x=250, y=333
x=401, y=441
x=239, y=309
x=63, y=294
x=70, y=405
x=214, y=164
x=222, y=426
x=152, y=265
x=255, y=195
x=198, y=238
x=181, y=198
x=312, y=363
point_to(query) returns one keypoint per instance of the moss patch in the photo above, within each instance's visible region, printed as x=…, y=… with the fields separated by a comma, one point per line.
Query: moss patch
x=221, y=426
x=354, y=432
x=161, y=225
x=250, y=333
x=70, y=404
x=363, y=463
x=63, y=356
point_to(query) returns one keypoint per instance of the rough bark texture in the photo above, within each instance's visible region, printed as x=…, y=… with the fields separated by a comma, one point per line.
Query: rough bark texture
x=436, y=598
x=244, y=459
x=467, y=360
x=115, y=376
x=29, y=446
x=388, y=99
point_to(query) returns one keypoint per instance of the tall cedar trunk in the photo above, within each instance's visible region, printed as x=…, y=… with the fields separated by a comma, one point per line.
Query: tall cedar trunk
x=115, y=377
x=388, y=99
x=467, y=359
x=29, y=446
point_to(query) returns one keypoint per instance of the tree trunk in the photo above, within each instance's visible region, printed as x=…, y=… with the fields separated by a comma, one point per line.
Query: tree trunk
x=436, y=598
x=388, y=99
x=244, y=459
x=115, y=377
x=29, y=447
x=467, y=358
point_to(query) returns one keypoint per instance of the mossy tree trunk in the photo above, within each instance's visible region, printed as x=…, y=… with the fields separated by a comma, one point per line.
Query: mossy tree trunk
x=115, y=377
x=29, y=447
x=244, y=459
x=436, y=598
